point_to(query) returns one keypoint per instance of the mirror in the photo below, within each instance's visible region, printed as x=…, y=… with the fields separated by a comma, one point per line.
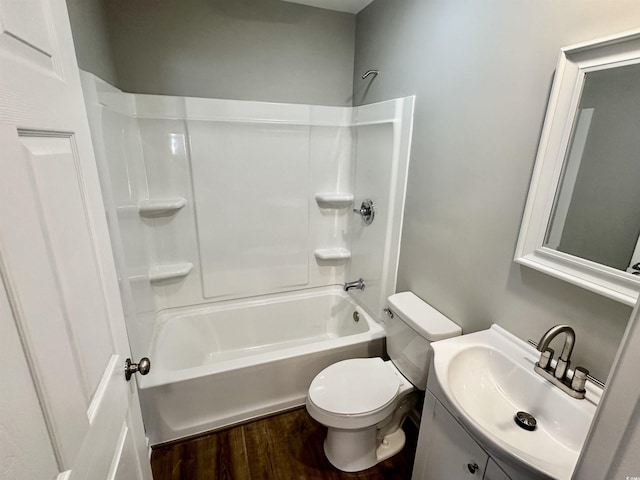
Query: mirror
x=596, y=212
x=582, y=219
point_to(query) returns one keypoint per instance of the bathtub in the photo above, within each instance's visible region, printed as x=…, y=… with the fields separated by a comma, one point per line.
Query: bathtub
x=221, y=364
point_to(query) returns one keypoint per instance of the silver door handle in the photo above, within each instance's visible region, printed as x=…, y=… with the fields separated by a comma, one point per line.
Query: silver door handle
x=130, y=368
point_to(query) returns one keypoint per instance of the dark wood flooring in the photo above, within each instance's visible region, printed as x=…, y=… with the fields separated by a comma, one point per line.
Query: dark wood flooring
x=287, y=446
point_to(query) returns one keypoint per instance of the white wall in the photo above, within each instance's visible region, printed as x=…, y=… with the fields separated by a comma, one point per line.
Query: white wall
x=119, y=157
x=482, y=73
x=248, y=174
x=381, y=162
x=264, y=50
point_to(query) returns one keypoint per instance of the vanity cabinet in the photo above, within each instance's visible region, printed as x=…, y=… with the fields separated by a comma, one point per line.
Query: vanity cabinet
x=445, y=449
x=494, y=472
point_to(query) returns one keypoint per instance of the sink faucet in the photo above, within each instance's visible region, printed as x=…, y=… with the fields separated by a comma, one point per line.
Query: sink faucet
x=570, y=338
x=558, y=375
x=357, y=284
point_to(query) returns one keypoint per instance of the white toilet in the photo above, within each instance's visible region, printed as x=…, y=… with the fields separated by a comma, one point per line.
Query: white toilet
x=363, y=401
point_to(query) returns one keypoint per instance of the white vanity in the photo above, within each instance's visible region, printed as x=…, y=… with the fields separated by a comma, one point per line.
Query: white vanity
x=476, y=386
x=448, y=451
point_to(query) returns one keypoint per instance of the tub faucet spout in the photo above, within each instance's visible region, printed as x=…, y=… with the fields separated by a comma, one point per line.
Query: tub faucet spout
x=357, y=284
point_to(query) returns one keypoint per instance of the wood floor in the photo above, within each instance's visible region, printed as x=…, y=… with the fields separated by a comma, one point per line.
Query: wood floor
x=283, y=447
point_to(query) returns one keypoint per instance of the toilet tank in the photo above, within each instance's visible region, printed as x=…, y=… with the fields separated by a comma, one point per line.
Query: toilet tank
x=414, y=325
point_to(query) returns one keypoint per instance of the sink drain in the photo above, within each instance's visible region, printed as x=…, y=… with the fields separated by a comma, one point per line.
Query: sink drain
x=526, y=420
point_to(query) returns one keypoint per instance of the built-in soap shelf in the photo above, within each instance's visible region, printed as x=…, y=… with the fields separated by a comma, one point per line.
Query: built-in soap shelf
x=334, y=199
x=332, y=254
x=169, y=271
x=160, y=207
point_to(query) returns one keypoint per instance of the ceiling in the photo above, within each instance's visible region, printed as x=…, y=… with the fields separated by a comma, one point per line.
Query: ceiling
x=349, y=6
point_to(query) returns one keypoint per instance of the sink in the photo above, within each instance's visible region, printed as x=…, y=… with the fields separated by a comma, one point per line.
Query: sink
x=487, y=377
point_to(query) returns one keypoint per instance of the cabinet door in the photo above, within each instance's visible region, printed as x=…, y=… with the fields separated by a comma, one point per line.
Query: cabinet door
x=494, y=472
x=445, y=449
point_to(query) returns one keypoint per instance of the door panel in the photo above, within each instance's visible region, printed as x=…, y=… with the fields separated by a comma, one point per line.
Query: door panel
x=22, y=32
x=54, y=169
x=26, y=432
x=107, y=417
x=40, y=315
x=57, y=268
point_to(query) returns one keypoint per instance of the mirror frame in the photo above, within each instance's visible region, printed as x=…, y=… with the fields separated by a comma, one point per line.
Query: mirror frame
x=574, y=63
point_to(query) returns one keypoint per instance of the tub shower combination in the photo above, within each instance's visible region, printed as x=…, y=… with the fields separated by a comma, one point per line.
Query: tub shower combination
x=233, y=230
x=219, y=365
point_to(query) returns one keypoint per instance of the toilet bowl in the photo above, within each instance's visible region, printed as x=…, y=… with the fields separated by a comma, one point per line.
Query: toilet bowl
x=364, y=401
x=371, y=391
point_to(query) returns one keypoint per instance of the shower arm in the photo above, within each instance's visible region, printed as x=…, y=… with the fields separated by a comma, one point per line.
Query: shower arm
x=370, y=72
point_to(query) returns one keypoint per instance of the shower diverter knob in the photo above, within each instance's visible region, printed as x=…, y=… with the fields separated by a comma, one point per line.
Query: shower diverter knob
x=130, y=368
x=367, y=210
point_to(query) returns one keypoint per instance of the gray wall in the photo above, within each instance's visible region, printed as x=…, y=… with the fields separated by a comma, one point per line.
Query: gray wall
x=91, y=38
x=265, y=50
x=482, y=73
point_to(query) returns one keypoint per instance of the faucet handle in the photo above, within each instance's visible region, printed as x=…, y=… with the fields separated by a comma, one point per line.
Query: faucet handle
x=579, y=379
x=561, y=369
x=545, y=358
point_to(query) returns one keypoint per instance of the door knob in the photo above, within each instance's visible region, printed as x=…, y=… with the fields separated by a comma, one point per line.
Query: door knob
x=130, y=368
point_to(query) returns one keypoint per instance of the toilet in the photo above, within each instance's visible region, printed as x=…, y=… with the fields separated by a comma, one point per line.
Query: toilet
x=363, y=401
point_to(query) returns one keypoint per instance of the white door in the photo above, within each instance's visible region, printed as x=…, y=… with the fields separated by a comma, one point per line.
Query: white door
x=66, y=410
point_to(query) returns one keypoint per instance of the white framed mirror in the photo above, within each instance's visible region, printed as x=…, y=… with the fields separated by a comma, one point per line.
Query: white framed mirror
x=582, y=218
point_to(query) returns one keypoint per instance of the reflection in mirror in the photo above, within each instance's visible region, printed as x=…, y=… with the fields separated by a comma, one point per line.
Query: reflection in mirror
x=596, y=214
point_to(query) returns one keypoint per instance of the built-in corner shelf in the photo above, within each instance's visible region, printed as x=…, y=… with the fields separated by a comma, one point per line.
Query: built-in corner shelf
x=332, y=254
x=170, y=271
x=160, y=207
x=334, y=199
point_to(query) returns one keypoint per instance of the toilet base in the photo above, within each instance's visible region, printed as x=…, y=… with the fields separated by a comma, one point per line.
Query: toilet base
x=391, y=444
x=353, y=451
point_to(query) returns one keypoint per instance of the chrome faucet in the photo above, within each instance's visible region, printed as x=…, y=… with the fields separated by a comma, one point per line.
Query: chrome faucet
x=563, y=361
x=558, y=375
x=357, y=284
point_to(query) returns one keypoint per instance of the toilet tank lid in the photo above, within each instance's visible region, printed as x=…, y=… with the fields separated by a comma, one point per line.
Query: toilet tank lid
x=422, y=317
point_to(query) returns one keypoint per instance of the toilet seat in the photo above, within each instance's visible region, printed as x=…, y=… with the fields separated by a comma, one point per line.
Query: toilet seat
x=358, y=386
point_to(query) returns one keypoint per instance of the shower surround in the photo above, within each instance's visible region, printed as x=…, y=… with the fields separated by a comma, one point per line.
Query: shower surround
x=214, y=205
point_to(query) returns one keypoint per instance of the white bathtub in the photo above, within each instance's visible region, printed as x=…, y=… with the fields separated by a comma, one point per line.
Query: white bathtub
x=215, y=366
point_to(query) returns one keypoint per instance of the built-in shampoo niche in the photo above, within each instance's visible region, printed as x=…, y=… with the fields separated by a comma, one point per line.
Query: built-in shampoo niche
x=232, y=199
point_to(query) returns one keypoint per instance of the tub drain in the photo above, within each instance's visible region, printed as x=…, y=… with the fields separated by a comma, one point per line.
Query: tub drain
x=526, y=420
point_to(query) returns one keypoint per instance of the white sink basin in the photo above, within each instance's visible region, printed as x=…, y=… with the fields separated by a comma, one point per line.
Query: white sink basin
x=487, y=377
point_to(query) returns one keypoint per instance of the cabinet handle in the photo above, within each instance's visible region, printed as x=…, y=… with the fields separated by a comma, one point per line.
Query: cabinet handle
x=472, y=467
